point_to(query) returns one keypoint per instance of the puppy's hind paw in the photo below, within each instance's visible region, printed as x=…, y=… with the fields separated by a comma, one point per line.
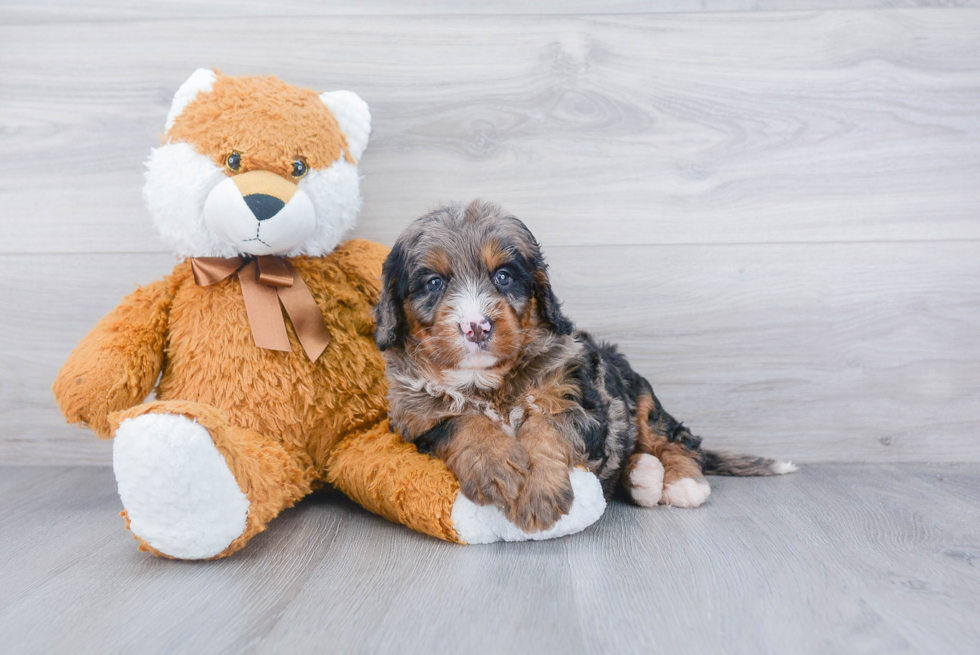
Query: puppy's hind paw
x=646, y=480
x=686, y=492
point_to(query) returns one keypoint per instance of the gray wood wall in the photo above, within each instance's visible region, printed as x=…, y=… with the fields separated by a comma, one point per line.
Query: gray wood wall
x=774, y=206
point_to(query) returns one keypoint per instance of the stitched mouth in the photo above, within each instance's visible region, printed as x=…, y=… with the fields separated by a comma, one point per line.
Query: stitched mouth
x=258, y=228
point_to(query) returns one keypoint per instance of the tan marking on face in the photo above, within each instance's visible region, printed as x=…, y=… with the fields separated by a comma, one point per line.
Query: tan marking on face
x=438, y=344
x=531, y=317
x=437, y=261
x=266, y=183
x=493, y=255
x=268, y=122
x=415, y=328
x=507, y=339
x=512, y=333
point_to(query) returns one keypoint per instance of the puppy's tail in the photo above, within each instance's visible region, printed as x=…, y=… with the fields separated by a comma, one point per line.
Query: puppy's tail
x=722, y=463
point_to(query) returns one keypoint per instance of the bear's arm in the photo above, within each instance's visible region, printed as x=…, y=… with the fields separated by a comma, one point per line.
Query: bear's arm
x=116, y=365
x=388, y=476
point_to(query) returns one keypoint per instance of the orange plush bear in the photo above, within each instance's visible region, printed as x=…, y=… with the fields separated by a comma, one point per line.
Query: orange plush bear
x=259, y=344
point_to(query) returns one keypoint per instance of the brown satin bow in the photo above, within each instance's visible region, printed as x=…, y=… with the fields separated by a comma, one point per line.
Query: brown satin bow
x=266, y=282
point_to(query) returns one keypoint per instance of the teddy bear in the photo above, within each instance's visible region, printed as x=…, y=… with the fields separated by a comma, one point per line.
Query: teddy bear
x=259, y=345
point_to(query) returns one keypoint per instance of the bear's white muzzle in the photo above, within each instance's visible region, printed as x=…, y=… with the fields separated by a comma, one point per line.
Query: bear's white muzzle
x=260, y=213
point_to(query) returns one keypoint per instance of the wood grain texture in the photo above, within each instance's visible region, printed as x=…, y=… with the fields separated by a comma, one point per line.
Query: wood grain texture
x=774, y=213
x=816, y=352
x=740, y=127
x=842, y=559
x=37, y=11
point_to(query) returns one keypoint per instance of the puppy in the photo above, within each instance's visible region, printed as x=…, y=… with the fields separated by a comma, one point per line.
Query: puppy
x=486, y=373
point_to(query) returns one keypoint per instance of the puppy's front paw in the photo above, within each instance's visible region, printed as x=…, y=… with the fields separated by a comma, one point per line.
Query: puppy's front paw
x=543, y=501
x=493, y=480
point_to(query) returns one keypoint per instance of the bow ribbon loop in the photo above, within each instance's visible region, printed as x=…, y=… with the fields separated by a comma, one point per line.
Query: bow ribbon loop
x=266, y=282
x=275, y=272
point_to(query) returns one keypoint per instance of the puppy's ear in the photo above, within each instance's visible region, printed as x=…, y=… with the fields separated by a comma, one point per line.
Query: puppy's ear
x=389, y=315
x=548, y=304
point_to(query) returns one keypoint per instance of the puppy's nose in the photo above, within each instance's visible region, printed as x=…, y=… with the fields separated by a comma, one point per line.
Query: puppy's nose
x=476, y=329
x=263, y=206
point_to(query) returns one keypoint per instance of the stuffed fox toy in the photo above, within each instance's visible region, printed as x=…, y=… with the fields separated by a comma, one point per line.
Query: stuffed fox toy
x=259, y=343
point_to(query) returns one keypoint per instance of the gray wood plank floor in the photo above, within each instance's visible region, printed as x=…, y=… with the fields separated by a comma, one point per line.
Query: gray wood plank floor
x=837, y=558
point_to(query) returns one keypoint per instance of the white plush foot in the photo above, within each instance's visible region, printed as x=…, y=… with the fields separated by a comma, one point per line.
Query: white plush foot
x=686, y=492
x=647, y=481
x=484, y=524
x=180, y=495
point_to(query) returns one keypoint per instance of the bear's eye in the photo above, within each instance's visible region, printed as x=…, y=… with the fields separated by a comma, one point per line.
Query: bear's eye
x=234, y=162
x=299, y=168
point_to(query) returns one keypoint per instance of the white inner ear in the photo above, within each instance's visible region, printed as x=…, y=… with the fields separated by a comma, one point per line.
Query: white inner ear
x=200, y=80
x=353, y=116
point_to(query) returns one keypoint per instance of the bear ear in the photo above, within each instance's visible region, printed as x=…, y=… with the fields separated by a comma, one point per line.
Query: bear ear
x=200, y=80
x=354, y=118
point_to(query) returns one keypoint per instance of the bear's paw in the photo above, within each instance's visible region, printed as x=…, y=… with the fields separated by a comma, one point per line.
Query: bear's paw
x=179, y=494
x=484, y=524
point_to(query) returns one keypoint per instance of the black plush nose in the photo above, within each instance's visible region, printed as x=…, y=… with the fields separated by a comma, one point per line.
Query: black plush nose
x=263, y=206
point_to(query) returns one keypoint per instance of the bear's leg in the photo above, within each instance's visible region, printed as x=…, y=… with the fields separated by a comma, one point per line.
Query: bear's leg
x=194, y=486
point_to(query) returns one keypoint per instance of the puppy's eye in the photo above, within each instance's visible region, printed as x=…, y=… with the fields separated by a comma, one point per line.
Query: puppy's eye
x=299, y=168
x=234, y=162
x=435, y=285
x=502, y=278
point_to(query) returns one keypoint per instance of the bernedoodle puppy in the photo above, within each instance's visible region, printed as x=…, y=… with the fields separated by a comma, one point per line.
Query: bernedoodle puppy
x=486, y=373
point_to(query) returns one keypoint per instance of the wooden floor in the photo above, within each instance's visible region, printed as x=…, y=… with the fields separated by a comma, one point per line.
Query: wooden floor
x=836, y=558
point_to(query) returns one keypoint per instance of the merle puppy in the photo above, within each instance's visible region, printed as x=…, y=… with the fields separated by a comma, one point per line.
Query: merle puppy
x=486, y=373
